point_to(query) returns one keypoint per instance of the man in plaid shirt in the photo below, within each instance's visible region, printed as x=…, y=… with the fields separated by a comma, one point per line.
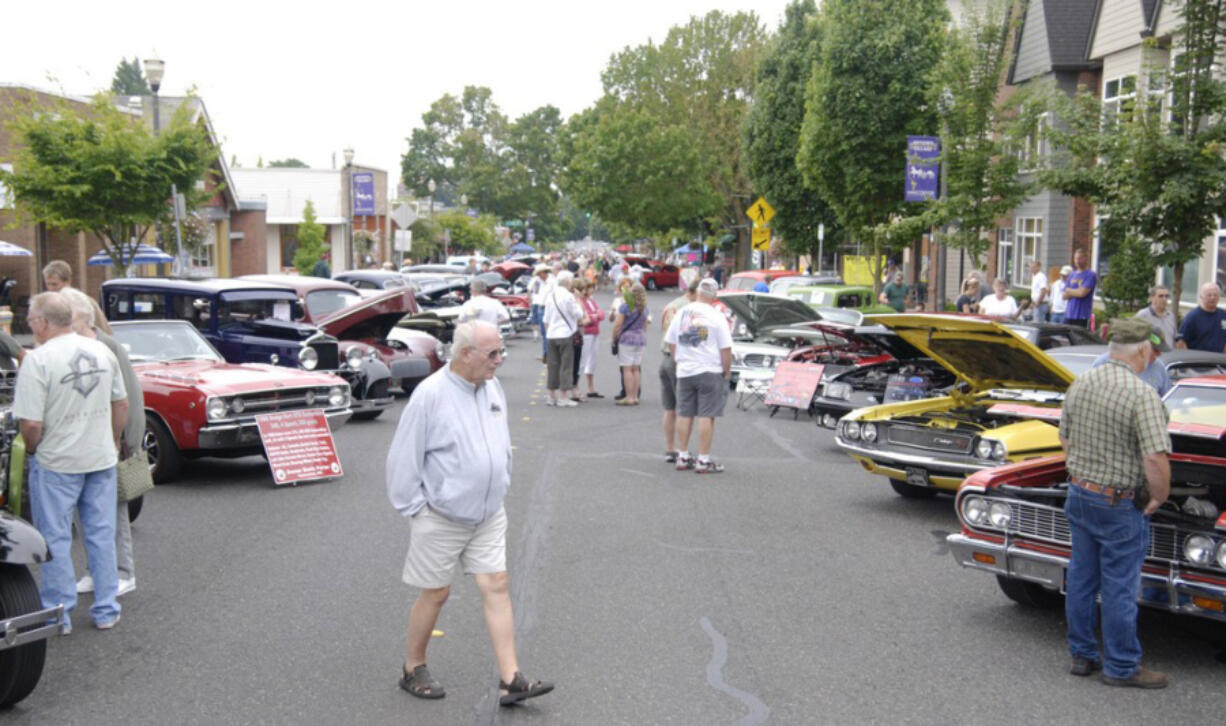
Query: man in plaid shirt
x=1114, y=430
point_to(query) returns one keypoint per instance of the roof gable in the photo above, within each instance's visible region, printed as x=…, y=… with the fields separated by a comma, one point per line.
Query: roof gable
x=1118, y=25
x=1069, y=23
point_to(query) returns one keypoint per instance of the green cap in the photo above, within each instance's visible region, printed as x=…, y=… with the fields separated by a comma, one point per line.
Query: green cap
x=1130, y=330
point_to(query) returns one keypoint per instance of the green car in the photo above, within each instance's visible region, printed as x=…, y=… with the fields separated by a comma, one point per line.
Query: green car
x=852, y=297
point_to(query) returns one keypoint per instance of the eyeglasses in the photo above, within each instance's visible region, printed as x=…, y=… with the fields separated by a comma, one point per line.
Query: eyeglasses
x=1162, y=296
x=495, y=354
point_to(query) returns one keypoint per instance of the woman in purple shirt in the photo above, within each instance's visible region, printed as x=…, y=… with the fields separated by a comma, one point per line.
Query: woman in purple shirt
x=630, y=337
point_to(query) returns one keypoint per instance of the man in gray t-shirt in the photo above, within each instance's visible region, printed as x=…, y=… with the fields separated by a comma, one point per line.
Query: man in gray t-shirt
x=72, y=406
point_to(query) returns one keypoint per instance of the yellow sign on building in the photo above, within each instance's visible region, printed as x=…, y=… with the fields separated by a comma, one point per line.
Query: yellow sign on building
x=761, y=238
x=760, y=212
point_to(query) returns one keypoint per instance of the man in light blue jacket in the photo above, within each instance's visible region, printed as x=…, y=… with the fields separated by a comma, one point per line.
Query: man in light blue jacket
x=448, y=471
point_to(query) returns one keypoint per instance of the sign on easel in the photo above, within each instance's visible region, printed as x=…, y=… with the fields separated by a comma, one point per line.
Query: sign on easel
x=793, y=386
x=299, y=446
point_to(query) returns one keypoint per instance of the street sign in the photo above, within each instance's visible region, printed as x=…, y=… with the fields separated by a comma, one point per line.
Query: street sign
x=403, y=240
x=923, y=169
x=299, y=446
x=404, y=216
x=761, y=238
x=760, y=212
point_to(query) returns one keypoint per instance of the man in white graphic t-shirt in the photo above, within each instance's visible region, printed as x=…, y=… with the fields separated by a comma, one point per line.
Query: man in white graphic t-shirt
x=701, y=344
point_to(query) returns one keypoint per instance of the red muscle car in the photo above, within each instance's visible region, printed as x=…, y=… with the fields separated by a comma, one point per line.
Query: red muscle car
x=657, y=275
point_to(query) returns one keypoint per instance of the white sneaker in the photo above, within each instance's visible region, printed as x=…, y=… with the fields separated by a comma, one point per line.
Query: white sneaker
x=126, y=585
x=550, y=402
x=85, y=584
x=568, y=402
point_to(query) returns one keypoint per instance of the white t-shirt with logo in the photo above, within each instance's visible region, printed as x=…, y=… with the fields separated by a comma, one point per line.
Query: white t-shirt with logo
x=700, y=332
x=992, y=305
x=484, y=307
x=68, y=385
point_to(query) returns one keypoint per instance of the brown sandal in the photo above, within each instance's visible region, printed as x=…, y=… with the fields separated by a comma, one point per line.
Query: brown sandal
x=520, y=689
x=421, y=684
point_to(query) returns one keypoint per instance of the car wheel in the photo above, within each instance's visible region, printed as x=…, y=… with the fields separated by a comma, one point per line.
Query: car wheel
x=651, y=283
x=368, y=415
x=910, y=491
x=20, y=667
x=1030, y=594
x=164, y=458
x=134, y=508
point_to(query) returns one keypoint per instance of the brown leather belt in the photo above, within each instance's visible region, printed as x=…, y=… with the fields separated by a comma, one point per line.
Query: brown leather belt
x=1112, y=492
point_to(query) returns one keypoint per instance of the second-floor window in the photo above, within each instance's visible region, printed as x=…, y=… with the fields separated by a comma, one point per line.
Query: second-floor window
x=1029, y=231
x=1034, y=147
x=1119, y=95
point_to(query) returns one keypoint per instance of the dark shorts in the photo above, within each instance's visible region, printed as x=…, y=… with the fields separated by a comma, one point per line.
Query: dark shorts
x=701, y=396
x=668, y=383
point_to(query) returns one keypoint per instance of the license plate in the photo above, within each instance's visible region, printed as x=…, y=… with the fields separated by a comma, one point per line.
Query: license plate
x=917, y=477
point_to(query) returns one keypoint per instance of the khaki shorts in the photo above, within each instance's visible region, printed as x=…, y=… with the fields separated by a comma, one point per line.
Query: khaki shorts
x=437, y=545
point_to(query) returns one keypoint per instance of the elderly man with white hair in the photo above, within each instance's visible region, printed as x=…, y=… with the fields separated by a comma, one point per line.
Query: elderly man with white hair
x=483, y=307
x=564, y=317
x=448, y=470
x=1205, y=327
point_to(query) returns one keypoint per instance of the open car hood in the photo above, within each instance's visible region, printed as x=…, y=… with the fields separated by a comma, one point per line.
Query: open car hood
x=374, y=317
x=982, y=353
x=759, y=311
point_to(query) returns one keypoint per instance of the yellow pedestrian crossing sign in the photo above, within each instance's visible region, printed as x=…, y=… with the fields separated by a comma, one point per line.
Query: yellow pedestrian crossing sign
x=760, y=212
x=761, y=238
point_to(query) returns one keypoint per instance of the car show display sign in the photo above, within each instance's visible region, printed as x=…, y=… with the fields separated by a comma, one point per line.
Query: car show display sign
x=923, y=168
x=363, y=193
x=299, y=446
x=793, y=385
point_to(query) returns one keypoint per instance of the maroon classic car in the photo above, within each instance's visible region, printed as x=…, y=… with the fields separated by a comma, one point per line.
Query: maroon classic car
x=197, y=404
x=362, y=325
x=1013, y=523
x=657, y=275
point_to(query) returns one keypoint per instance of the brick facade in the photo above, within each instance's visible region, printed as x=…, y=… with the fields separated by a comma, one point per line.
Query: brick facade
x=249, y=255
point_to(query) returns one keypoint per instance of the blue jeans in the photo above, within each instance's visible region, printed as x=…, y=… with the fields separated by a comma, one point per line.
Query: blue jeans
x=1109, y=545
x=1057, y=317
x=538, y=318
x=1041, y=312
x=53, y=496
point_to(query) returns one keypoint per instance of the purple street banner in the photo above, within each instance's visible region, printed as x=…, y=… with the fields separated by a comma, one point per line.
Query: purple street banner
x=923, y=168
x=363, y=193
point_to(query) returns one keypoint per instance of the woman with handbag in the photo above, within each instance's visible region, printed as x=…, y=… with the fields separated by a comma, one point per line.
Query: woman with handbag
x=591, y=332
x=563, y=318
x=629, y=340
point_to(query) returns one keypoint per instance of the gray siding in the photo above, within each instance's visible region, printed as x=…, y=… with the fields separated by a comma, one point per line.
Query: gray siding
x=1119, y=26
x=1033, y=54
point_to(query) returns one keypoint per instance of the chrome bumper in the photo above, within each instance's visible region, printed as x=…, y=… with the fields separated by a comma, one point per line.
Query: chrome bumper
x=246, y=433
x=50, y=621
x=411, y=368
x=371, y=404
x=1167, y=591
x=926, y=461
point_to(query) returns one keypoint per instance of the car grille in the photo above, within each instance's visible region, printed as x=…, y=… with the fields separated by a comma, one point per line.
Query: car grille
x=1047, y=523
x=281, y=399
x=925, y=438
x=758, y=360
x=329, y=354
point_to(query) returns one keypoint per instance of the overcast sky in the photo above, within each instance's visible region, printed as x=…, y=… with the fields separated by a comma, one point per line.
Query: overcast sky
x=305, y=80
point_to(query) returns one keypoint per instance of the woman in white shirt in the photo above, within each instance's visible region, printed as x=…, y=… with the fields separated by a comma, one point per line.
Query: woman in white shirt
x=1000, y=305
x=564, y=316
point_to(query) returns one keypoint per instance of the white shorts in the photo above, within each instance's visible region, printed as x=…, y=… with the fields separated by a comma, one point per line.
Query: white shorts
x=437, y=545
x=630, y=355
x=587, y=357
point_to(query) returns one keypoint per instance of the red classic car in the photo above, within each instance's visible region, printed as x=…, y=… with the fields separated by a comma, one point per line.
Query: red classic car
x=1013, y=523
x=657, y=275
x=196, y=404
x=361, y=324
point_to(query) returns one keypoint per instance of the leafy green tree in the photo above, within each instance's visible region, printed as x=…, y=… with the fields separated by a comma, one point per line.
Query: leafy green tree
x=311, y=247
x=865, y=96
x=1125, y=286
x=98, y=170
x=772, y=132
x=468, y=234
x=290, y=163
x=129, y=80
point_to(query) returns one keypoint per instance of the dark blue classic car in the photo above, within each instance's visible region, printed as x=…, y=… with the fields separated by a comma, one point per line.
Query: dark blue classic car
x=251, y=322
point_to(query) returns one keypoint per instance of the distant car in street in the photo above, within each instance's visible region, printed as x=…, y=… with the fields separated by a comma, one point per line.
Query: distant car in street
x=747, y=279
x=781, y=285
x=371, y=279
x=657, y=275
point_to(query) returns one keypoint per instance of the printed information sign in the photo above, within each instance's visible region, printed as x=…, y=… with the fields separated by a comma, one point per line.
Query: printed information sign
x=794, y=385
x=299, y=446
x=923, y=168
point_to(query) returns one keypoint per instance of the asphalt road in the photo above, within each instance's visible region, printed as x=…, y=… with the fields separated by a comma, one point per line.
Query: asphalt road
x=792, y=589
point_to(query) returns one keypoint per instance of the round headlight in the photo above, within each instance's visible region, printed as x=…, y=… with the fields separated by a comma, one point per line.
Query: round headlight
x=308, y=358
x=337, y=395
x=1198, y=549
x=999, y=451
x=851, y=430
x=310, y=398
x=983, y=449
x=868, y=432
x=274, y=359
x=829, y=421
x=999, y=514
x=975, y=510
x=354, y=357
x=237, y=405
x=1221, y=555
x=838, y=389
x=440, y=351
x=216, y=408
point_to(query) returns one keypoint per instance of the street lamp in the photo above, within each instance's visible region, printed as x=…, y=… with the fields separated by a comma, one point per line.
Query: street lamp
x=155, y=68
x=348, y=152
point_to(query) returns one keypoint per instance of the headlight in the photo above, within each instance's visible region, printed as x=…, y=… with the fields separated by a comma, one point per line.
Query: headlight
x=310, y=398
x=1221, y=555
x=274, y=359
x=354, y=357
x=983, y=449
x=738, y=359
x=216, y=408
x=308, y=358
x=851, y=430
x=868, y=432
x=975, y=510
x=999, y=514
x=237, y=405
x=999, y=451
x=440, y=350
x=838, y=389
x=1198, y=549
x=337, y=396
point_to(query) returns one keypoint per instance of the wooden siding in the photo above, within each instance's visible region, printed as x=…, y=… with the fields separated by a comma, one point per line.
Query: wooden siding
x=1168, y=18
x=1119, y=27
x=1033, y=52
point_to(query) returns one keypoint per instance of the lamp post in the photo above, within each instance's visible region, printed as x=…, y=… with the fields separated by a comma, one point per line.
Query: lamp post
x=430, y=187
x=155, y=68
x=349, y=207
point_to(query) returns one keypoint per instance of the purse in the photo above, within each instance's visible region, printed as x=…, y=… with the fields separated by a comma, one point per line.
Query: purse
x=133, y=477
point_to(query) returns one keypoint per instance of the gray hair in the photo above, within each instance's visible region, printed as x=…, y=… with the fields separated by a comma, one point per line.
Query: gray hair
x=478, y=285
x=465, y=335
x=565, y=278
x=1155, y=289
x=1121, y=351
x=1000, y=280
x=52, y=307
x=82, y=309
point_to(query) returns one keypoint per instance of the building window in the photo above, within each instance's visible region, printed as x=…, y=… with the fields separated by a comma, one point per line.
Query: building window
x=1005, y=261
x=6, y=197
x=1034, y=147
x=1119, y=95
x=204, y=258
x=289, y=244
x=1028, y=246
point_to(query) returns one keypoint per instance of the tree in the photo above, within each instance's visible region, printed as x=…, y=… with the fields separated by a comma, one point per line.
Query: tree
x=311, y=247
x=290, y=163
x=129, y=80
x=772, y=132
x=98, y=170
x=468, y=234
x=1125, y=286
x=863, y=99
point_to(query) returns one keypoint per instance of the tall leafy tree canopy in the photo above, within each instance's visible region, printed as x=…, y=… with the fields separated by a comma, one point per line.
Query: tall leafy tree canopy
x=290, y=163
x=311, y=246
x=129, y=80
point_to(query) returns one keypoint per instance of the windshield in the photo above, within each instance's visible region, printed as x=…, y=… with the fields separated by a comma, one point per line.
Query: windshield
x=1076, y=363
x=325, y=302
x=167, y=340
x=1197, y=404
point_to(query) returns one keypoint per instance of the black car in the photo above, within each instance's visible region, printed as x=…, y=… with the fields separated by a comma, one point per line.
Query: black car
x=250, y=322
x=371, y=279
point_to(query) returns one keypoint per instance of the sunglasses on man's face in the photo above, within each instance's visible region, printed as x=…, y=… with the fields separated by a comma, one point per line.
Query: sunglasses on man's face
x=496, y=353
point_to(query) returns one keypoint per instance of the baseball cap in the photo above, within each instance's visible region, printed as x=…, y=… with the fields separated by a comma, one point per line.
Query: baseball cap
x=1066, y=270
x=1130, y=330
x=708, y=287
